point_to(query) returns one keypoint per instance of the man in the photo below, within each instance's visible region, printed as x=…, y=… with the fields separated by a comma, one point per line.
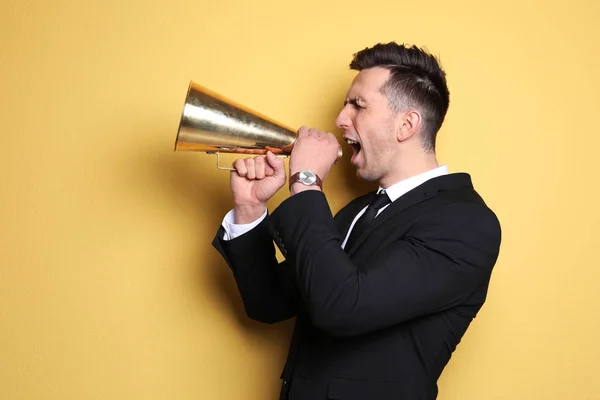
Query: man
x=381, y=304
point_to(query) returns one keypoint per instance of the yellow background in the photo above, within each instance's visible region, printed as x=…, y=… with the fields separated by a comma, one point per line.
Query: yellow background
x=109, y=288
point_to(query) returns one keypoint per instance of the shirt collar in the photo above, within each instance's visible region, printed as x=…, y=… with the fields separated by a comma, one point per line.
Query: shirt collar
x=400, y=188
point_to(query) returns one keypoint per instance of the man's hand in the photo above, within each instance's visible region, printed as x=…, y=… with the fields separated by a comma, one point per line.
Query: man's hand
x=314, y=150
x=253, y=183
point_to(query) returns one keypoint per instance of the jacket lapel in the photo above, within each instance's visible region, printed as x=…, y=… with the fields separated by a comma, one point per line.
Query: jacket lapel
x=344, y=219
x=419, y=194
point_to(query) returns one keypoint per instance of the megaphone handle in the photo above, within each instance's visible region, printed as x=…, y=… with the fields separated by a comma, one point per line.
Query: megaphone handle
x=218, y=161
x=229, y=168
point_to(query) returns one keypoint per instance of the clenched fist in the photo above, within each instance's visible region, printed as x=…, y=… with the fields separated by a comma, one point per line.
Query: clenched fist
x=253, y=183
x=314, y=150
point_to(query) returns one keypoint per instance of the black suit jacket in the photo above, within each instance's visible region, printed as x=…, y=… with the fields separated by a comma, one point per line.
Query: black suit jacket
x=380, y=320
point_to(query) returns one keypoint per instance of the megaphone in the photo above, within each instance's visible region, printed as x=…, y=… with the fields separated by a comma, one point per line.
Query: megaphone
x=213, y=124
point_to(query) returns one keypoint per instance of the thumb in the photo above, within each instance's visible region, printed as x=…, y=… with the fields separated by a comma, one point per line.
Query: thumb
x=277, y=164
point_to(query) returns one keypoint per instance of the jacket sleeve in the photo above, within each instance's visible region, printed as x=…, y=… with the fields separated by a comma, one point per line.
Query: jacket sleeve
x=267, y=288
x=442, y=261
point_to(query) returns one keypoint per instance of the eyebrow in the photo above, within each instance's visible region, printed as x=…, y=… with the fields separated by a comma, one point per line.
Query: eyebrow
x=354, y=101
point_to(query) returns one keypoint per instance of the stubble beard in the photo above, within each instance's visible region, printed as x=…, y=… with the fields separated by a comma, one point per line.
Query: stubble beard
x=375, y=167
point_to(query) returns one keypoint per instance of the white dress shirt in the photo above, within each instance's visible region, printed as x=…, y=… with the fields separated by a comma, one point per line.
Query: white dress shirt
x=233, y=230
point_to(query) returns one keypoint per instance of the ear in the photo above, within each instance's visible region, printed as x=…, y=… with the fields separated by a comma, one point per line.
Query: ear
x=410, y=123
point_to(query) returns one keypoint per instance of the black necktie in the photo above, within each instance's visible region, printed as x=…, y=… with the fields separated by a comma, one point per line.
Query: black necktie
x=381, y=200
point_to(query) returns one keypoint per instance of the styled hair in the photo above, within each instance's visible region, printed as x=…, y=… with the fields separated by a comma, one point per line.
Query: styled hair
x=417, y=81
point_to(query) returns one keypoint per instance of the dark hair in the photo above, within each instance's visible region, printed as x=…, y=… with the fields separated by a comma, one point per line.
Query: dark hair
x=416, y=81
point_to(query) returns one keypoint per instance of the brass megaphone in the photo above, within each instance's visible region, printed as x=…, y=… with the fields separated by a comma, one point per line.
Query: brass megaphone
x=212, y=124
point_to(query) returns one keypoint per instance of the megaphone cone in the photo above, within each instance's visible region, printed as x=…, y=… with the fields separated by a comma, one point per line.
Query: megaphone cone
x=212, y=123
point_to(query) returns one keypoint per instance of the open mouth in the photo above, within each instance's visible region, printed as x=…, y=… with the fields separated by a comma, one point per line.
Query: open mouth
x=355, y=146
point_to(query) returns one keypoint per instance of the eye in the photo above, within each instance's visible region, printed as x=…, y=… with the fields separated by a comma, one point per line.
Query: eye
x=355, y=103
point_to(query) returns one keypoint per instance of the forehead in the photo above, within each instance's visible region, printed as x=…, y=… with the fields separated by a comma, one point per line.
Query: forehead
x=368, y=83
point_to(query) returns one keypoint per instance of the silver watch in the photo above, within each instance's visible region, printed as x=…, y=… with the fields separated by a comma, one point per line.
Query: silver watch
x=306, y=177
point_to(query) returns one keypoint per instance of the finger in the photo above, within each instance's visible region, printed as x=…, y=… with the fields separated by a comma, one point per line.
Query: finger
x=259, y=167
x=303, y=131
x=250, y=167
x=335, y=144
x=240, y=167
x=276, y=164
x=331, y=138
x=269, y=171
x=314, y=132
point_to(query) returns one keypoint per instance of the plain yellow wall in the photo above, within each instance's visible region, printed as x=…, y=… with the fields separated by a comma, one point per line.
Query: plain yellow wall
x=109, y=287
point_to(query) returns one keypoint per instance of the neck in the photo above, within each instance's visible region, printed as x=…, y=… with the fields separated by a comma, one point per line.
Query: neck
x=409, y=165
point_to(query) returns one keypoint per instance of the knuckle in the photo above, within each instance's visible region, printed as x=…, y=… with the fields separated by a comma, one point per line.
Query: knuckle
x=240, y=165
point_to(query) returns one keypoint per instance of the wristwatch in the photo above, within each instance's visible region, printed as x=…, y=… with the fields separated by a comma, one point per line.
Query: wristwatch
x=306, y=177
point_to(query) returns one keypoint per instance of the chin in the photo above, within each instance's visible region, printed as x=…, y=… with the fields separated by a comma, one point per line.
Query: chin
x=365, y=176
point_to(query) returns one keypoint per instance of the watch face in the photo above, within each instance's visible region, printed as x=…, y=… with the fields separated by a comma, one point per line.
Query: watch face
x=307, y=177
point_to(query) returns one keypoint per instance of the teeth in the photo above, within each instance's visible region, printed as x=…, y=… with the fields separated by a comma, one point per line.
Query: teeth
x=351, y=141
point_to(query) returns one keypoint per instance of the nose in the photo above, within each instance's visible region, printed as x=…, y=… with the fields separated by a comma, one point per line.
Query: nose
x=343, y=119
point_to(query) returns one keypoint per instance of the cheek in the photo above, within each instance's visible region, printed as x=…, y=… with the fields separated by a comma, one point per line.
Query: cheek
x=379, y=140
x=355, y=123
x=363, y=126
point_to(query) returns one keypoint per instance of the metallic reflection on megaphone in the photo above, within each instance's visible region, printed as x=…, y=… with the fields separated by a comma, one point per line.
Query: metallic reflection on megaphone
x=213, y=124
